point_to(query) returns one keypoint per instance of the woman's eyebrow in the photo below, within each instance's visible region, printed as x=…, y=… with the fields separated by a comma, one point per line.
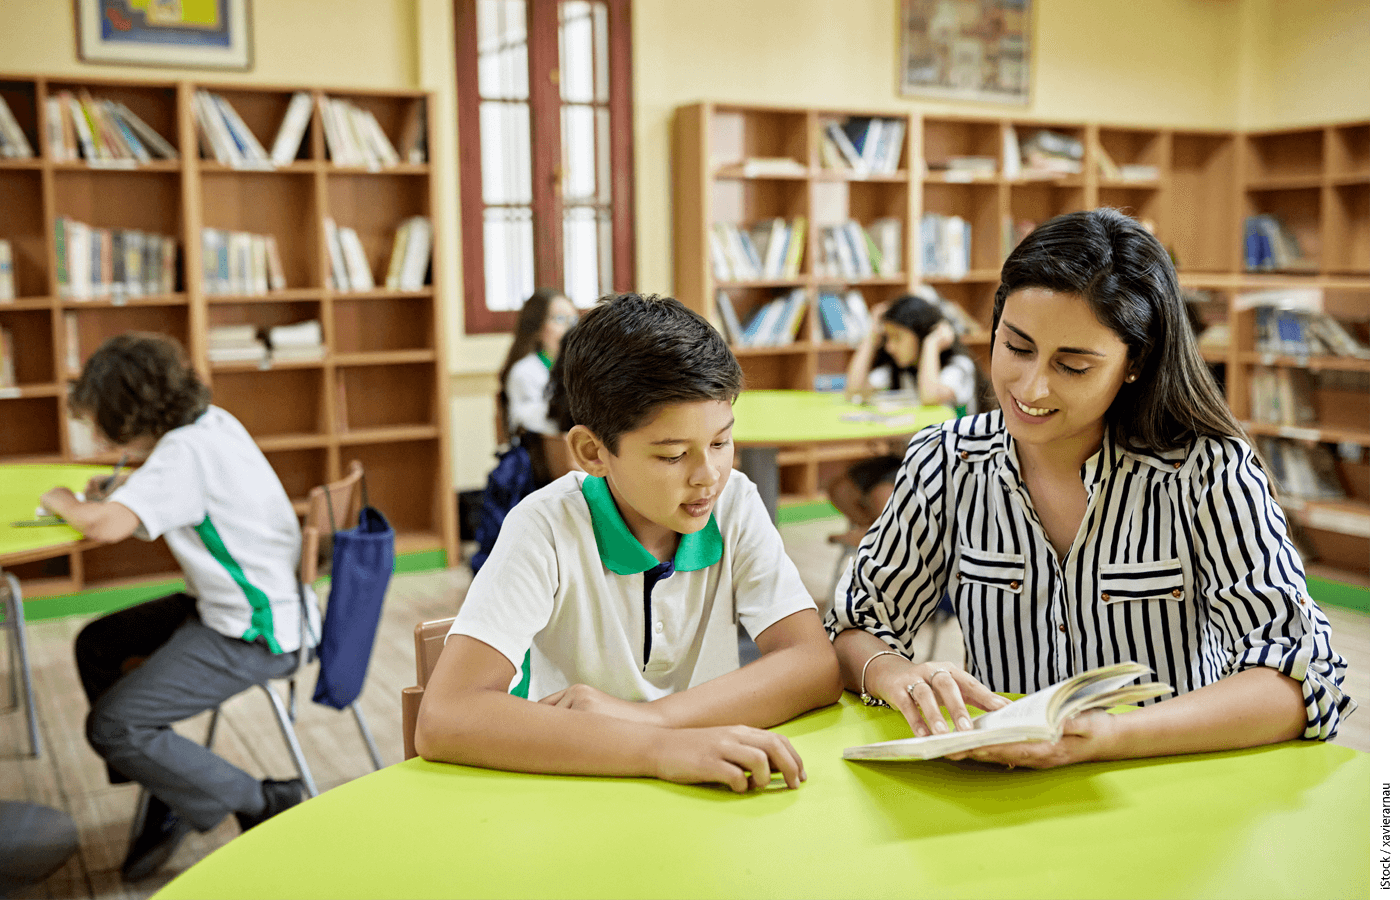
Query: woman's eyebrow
x=1077, y=351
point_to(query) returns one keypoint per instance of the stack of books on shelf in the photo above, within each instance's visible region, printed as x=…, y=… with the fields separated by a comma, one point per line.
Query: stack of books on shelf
x=852, y=252
x=102, y=132
x=761, y=166
x=116, y=263
x=863, y=145
x=844, y=318
x=354, y=136
x=237, y=262
x=945, y=244
x=300, y=342
x=1050, y=154
x=236, y=343
x=224, y=136
x=7, y=272
x=1291, y=322
x=965, y=168
x=774, y=324
x=770, y=250
x=1270, y=246
x=14, y=143
x=410, y=255
x=1301, y=471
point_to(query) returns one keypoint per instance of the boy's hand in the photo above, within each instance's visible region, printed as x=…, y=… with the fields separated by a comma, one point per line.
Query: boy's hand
x=741, y=757
x=56, y=500
x=590, y=699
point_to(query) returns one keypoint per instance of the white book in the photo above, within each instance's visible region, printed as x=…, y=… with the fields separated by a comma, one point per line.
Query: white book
x=417, y=254
x=276, y=278
x=259, y=269
x=80, y=241
x=215, y=130
x=351, y=147
x=251, y=149
x=332, y=131
x=71, y=358
x=395, y=274
x=376, y=138
x=81, y=128
x=858, y=323
x=239, y=333
x=7, y=272
x=7, y=358
x=53, y=129
x=299, y=334
x=293, y=128
x=339, y=277
x=356, y=265
x=152, y=139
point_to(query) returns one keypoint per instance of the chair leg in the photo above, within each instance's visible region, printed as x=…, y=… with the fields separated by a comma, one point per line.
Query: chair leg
x=293, y=745
x=364, y=733
x=14, y=620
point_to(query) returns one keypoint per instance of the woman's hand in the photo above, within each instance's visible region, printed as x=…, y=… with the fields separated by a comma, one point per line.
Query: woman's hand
x=1084, y=738
x=590, y=699
x=921, y=693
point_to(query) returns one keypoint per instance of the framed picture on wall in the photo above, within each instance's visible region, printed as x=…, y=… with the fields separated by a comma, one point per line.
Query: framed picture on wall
x=211, y=34
x=966, y=49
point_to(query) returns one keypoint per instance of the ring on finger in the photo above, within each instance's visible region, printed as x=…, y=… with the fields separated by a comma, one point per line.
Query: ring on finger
x=937, y=672
x=909, y=688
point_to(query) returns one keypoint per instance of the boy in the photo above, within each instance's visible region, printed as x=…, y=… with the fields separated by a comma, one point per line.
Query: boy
x=208, y=489
x=613, y=595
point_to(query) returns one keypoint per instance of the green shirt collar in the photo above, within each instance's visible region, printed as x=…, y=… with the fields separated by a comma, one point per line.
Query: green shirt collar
x=545, y=358
x=623, y=554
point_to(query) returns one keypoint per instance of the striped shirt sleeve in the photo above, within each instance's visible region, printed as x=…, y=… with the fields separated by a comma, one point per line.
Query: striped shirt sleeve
x=1252, y=581
x=899, y=573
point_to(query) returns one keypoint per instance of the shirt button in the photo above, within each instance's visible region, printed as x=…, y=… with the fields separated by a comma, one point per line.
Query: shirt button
x=1176, y=592
x=1015, y=585
x=658, y=627
x=1103, y=597
x=963, y=454
x=1062, y=628
x=1176, y=465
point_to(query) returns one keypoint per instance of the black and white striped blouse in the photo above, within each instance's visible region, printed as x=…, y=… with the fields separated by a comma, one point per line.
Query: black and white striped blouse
x=1182, y=563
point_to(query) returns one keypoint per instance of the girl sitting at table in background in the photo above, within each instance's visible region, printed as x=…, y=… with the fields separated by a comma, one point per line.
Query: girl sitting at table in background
x=912, y=348
x=1111, y=510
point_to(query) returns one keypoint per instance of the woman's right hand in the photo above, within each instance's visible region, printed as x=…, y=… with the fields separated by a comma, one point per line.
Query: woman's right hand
x=921, y=692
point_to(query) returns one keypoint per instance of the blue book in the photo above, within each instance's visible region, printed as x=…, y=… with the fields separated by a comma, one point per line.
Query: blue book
x=833, y=316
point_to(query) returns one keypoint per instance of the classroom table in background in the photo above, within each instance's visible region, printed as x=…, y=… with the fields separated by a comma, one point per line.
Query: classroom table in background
x=1283, y=821
x=21, y=486
x=765, y=421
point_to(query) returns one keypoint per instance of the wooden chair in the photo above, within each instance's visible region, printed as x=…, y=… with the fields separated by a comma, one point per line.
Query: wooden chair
x=428, y=638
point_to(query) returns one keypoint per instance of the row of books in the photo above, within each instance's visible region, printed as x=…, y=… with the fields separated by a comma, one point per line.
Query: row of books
x=354, y=136
x=114, y=263
x=7, y=271
x=945, y=245
x=103, y=132
x=408, y=258
x=1281, y=396
x=844, y=317
x=865, y=145
x=14, y=143
x=297, y=342
x=1304, y=472
x=1269, y=245
x=237, y=262
x=851, y=251
x=1045, y=153
x=773, y=324
x=225, y=137
x=1291, y=322
x=770, y=249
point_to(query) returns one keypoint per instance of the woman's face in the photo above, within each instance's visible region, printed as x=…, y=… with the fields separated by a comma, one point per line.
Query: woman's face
x=901, y=344
x=562, y=316
x=1056, y=369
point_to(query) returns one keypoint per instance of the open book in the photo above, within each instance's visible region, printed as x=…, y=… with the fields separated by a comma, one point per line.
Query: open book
x=1036, y=717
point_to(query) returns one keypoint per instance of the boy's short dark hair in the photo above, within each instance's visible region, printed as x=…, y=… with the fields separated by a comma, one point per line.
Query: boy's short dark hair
x=139, y=384
x=634, y=353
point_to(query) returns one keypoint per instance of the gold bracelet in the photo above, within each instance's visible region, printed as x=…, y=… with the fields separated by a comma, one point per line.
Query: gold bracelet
x=864, y=696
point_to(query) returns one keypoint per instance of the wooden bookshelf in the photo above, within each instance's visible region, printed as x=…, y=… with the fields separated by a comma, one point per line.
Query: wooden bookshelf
x=1193, y=186
x=379, y=394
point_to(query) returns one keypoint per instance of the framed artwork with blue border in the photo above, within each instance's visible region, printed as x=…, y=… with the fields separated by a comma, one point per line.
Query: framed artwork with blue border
x=213, y=34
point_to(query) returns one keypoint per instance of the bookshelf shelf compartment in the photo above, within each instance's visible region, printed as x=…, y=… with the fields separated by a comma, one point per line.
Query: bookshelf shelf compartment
x=382, y=323
x=29, y=427
x=31, y=343
x=386, y=396
x=410, y=504
x=281, y=204
x=21, y=223
x=278, y=401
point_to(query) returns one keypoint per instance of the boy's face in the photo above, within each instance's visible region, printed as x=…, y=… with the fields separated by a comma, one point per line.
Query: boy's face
x=666, y=476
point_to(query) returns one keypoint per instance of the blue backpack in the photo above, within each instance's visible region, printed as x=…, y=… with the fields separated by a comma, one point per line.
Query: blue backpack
x=509, y=483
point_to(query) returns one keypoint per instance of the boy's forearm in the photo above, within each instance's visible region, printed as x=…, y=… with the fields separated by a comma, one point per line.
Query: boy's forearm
x=99, y=521
x=768, y=691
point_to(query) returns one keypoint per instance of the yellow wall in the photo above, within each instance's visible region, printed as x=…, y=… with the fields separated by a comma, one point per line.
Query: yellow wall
x=1181, y=63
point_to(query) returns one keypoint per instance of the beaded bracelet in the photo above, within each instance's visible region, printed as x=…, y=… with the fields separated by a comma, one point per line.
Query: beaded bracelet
x=864, y=696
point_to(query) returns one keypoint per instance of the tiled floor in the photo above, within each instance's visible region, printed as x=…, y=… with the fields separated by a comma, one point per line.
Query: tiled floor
x=69, y=776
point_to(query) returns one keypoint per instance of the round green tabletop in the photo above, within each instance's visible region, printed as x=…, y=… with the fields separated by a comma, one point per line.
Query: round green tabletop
x=773, y=418
x=1283, y=821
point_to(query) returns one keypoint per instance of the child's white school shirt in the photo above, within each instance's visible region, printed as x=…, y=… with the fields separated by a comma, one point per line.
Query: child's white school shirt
x=960, y=375
x=567, y=583
x=527, y=400
x=208, y=489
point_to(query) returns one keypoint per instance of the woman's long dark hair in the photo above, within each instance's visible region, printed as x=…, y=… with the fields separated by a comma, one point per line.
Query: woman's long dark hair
x=529, y=322
x=1129, y=282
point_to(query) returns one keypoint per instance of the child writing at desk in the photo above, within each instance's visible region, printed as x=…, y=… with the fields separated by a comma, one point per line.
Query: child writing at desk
x=601, y=635
x=912, y=348
x=206, y=487
x=1112, y=510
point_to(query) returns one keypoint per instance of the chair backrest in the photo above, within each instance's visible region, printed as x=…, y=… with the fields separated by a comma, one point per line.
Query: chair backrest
x=319, y=530
x=428, y=639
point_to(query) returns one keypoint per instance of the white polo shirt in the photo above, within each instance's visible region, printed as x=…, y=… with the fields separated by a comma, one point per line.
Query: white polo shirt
x=527, y=400
x=208, y=489
x=563, y=594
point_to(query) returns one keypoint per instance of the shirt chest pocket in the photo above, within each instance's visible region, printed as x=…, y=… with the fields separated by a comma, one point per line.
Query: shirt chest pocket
x=1151, y=580
x=1000, y=571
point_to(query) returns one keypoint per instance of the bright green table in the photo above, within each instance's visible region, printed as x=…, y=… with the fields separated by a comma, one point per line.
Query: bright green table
x=1283, y=821
x=767, y=420
x=21, y=486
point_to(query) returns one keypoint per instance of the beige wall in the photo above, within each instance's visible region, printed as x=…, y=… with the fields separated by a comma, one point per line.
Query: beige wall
x=1183, y=63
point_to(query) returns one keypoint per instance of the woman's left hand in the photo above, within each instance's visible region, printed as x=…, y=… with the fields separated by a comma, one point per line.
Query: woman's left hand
x=1083, y=738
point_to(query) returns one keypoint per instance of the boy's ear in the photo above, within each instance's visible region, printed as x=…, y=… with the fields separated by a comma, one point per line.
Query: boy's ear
x=588, y=450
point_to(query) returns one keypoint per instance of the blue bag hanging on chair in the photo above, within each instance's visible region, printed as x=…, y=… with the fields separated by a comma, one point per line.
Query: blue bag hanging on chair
x=362, y=561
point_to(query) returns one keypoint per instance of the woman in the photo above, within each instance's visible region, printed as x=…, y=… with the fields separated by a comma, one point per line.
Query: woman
x=1112, y=510
x=539, y=328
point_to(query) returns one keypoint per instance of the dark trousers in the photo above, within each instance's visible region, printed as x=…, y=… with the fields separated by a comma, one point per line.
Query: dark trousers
x=151, y=665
